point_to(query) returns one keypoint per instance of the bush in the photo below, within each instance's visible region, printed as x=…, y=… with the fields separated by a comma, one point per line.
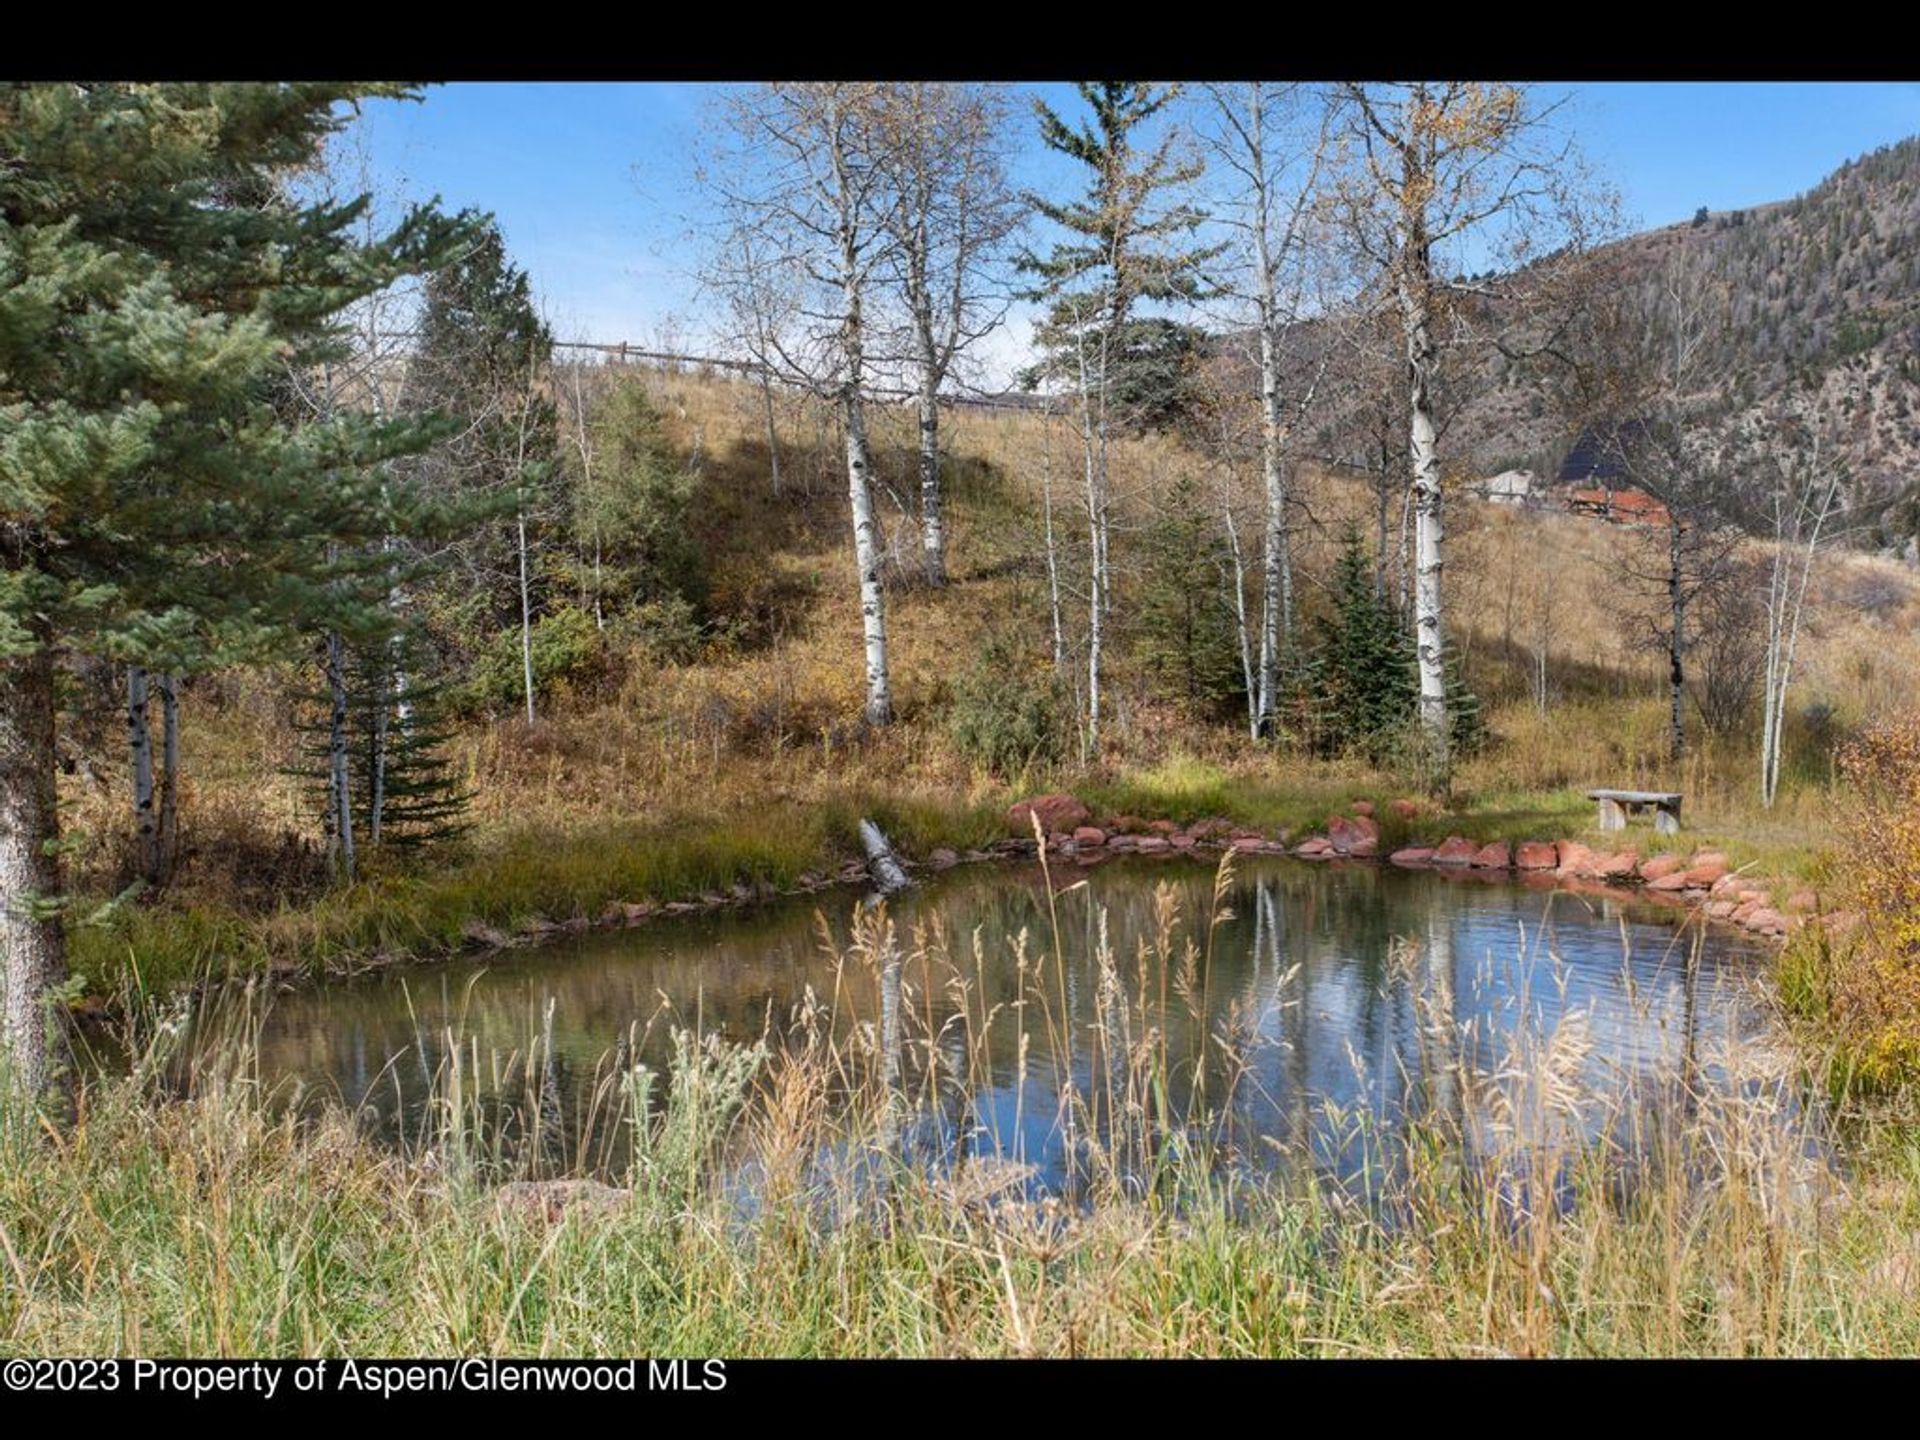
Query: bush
x=568, y=649
x=1869, y=980
x=1007, y=713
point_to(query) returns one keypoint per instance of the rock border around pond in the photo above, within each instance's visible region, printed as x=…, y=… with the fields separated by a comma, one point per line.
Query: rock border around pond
x=1703, y=881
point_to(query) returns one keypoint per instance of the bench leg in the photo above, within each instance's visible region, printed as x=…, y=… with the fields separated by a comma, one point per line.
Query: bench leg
x=1666, y=819
x=1613, y=815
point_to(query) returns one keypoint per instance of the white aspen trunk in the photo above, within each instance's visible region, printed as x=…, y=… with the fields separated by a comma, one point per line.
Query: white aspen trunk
x=340, y=790
x=169, y=775
x=1053, y=556
x=866, y=554
x=933, y=540
x=1429, y=613
x=1784, y=639
x=33, y=954
x=1093, y=452
x=1276, y=588
x=146, y=824
x=866, y=536
x=526, y=615
x=1251, y=676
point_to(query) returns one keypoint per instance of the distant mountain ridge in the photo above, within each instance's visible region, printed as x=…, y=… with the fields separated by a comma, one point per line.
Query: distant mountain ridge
x=1822, y=298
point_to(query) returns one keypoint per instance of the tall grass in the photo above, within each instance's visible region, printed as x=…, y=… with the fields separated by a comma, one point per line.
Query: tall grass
x=783, y=1197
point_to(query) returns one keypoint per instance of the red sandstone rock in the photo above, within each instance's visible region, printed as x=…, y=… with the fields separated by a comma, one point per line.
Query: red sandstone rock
x=1405, y=809
x=1162, y=827
x=1455, y=850
x=1618, y=866
x=1365, y=849
x=1767, y=921
x=1344, y=833
x=1363, y=807
x=1089, y=835
x=1661, y=866
x=1057, y=812
x=1148, y=843
x=1574, y=859
x=1671, y=884
x=1497, y=856
x=1129, y=825
x=1803, y=902
x=1704, y=873
x=1314, y=847
x=1182, y=841
x=1412, y=855
x=1536, y=855
x=1719, y=909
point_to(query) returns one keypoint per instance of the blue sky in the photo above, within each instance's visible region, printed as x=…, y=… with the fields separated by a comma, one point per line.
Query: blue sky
x=593, y=183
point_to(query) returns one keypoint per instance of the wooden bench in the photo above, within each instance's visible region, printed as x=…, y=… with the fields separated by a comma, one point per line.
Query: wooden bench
x=1617, y=805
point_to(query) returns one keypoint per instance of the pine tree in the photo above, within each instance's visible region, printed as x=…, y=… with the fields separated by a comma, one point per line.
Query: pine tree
x=1364, y=661
x=1123, y=245
x=634, y=514
x=160, y=502
x=482, y=359
x=1188, y=637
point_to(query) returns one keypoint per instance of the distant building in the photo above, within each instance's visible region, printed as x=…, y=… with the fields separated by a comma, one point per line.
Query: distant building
x=1509, y=487
x=1595, y=480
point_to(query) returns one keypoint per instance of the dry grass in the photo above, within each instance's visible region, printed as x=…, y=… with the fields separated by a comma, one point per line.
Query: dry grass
x=210, y=1225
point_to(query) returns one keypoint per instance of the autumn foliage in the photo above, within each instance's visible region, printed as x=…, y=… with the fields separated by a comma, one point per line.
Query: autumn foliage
x=1873, y=980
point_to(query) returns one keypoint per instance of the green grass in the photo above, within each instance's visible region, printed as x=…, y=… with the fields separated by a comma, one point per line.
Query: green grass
x=513, y=879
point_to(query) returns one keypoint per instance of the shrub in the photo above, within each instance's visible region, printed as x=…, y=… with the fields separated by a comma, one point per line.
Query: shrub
x=1870, y=977
x=568, y=649
x=1006, y=712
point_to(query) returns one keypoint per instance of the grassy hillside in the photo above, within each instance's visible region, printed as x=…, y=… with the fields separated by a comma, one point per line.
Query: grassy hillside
x=748, y=763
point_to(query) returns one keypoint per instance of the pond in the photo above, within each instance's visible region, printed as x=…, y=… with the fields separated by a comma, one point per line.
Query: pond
x=1275, y=1017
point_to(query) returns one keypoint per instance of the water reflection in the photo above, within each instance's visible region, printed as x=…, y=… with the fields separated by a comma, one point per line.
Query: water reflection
x=1302, y=1010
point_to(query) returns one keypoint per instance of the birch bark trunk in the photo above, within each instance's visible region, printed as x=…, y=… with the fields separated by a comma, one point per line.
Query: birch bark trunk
x=1428, y=522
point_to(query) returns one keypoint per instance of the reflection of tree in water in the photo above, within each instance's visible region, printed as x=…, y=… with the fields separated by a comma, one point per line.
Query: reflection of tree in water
x=1348, y=991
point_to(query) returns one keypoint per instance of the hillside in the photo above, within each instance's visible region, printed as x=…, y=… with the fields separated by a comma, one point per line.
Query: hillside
x=1820, y=297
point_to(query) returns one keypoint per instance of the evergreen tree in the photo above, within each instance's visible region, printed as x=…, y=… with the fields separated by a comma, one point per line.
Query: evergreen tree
x=1188, y=636
x=482, y=360
x=634, y=514
x=1122, y=245
x=1364, y=662
x=159, y=502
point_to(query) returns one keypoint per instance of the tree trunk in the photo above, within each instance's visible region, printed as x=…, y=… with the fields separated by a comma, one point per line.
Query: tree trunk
x=1053, y=554
x=146, y=825
x=1276, y=626
x=1429, y=614
x=169, y=775
x=1676, y=642
x=526, y=616
x=932, y=538
x=339, y=788
x=33, y=956
x=866, y=554
x=773, y=436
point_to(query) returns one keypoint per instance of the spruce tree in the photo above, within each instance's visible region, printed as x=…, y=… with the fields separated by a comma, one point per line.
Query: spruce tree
x=1364, y=661
x=160, y=502
x=1187, y=631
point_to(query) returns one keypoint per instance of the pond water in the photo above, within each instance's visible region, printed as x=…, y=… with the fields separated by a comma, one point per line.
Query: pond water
x=1280, y=1015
